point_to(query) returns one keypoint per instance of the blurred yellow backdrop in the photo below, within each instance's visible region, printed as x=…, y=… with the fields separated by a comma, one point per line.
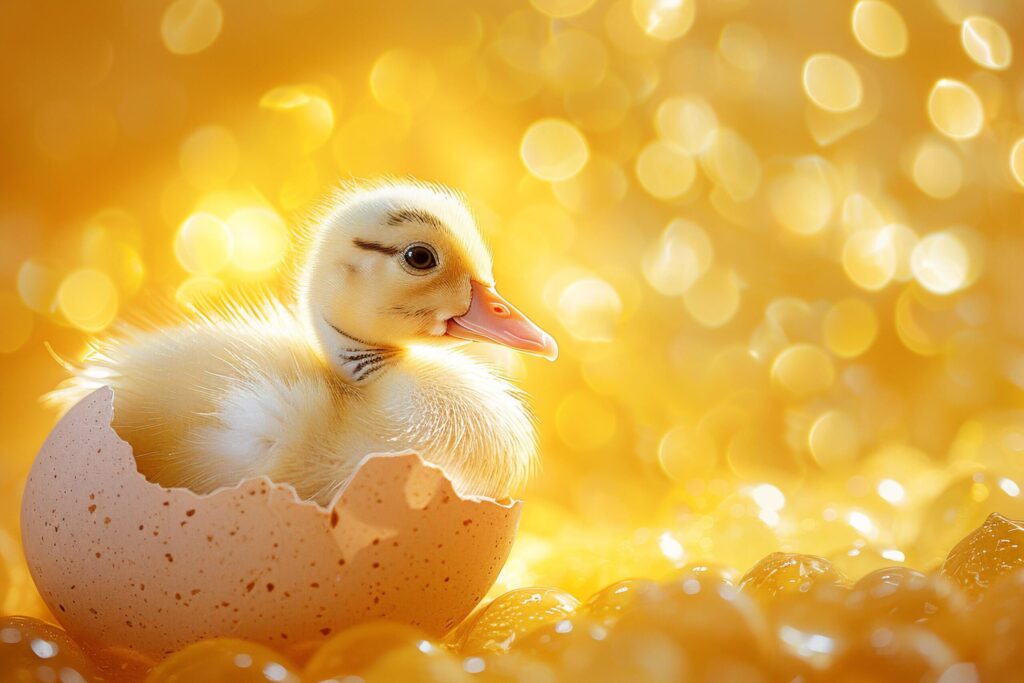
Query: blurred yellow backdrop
x=779, y=242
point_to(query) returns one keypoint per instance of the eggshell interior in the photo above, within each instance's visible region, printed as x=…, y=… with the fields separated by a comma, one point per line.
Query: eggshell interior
x=125, y=563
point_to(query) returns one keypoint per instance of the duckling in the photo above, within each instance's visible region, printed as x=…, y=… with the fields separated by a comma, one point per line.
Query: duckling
x=360, y=359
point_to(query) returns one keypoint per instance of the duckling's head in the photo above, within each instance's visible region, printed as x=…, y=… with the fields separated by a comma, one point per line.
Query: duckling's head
x=402, y=264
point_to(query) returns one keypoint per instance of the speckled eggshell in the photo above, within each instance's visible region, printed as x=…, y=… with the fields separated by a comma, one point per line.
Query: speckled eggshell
x=126, y=563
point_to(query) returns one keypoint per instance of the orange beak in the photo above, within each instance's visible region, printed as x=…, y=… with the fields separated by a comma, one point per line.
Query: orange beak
x=492, y=319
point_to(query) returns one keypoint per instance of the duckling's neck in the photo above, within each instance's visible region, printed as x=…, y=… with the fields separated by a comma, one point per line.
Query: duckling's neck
x=356, y=361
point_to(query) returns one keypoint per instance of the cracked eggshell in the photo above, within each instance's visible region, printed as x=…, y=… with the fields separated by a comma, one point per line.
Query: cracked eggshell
x=124, y=563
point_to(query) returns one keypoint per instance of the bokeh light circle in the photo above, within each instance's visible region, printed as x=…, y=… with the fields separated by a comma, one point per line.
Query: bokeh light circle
x=554, y=150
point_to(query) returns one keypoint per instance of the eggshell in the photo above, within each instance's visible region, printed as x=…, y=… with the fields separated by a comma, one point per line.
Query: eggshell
x=125, y=563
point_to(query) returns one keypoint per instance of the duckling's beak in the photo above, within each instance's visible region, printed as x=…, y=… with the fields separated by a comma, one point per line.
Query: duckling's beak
x=490, y=318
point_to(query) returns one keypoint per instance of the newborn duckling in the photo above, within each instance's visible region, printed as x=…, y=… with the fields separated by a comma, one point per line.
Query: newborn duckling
x=393, y=277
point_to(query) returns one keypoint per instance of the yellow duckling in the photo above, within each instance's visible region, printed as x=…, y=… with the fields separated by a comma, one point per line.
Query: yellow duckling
x=394, y=276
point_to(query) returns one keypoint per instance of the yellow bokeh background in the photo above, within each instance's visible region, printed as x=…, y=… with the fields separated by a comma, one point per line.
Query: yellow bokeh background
x=779, y=243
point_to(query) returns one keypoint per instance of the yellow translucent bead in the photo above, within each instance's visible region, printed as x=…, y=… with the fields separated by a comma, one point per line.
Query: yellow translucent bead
x=937, y=170
x=986, y=42
x=191, y=26
x=553, y=149
x=31, y=650
x=781, y=574
x=834, y=439
x=803, y=370
x=832, y=83
x=941, y=263
x=879, y=28
x=850, y=328
x=994, y=550
x=955, y=109
x=88, y=299
x=511, y=616
x=608, y=604
x=714, y=298
x=354, y=650
x=688, y=121
x=665, y=19
x=203, y=244
x=224, y=660
x=664, y=170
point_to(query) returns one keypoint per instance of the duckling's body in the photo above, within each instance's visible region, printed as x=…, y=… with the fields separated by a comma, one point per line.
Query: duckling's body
x=250, y=389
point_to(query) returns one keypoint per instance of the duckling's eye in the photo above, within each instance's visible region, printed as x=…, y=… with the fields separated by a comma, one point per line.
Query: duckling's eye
x=420, y=257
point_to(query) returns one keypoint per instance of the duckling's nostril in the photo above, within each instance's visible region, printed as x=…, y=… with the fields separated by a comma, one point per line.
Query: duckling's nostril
x=500, y=310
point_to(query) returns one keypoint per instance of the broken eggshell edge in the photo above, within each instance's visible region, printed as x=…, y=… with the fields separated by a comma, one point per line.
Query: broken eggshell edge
x=128, y=565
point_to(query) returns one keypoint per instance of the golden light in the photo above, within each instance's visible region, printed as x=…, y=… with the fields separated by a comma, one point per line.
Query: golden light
x=203, y=244
x=778, y=243
x=803, y=370
x=714, y=298
x=940, y=263
x=209, y=157
x=870, y=258
x=561, y=9
x=88, y=300
x=259, y=238
x=300, y=116
x=1017, y=161
x=553, y=149
x=986, y=42
x=733, y=165
x=832, y=83
x=687, y=121
x=664, y=170
x=402, y=81
x=955, y=109
x=834, y=439
x=584, y=421
x=37, y=285
x=802, y=200
x=589, y=308
x=191, y=26
x=197, y=289
x=937, y=170
x=742, y=46
x=850, y=327
x=879, y=28
x=686, y=453
x=18, y=323
x=665, y=19
x=682, y=255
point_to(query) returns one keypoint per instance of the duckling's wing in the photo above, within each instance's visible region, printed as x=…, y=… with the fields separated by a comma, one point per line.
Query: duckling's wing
x=171, y=371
